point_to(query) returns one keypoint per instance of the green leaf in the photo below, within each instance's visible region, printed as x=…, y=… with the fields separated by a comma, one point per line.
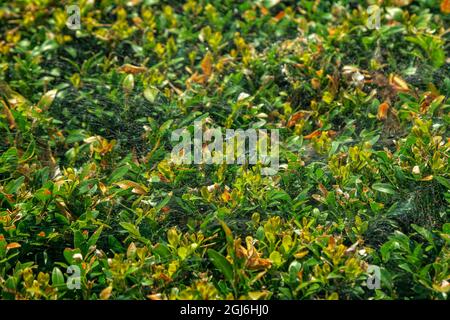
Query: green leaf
x=446, y=228
x=221, y=263
x=118, y=174
x=423, y=232
x=151, y=93
x=384, y=188
x=78, y=239
x=61, y=219
x=47, y=99
x=57, y=277
x=276, y=258
x=128, y=83
x=131, y=228
x=94, y=238
x=14, y=185
x=445, y=182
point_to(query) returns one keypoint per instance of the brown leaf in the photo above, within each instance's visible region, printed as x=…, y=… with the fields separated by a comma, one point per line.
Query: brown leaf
x=323, y=190
x=9, y=115
x=258, y=263
x=294, y=119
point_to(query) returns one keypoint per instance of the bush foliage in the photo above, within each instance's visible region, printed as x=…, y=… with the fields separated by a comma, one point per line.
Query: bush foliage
x=86, y=178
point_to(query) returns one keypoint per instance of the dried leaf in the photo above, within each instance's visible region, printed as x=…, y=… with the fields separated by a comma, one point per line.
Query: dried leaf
x=9, y=115
x=137, y=188
x=295, y=118
x=398, y=84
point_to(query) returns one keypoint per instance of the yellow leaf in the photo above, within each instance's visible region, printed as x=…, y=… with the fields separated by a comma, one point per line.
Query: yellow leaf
x=256, y=295
x=106, y=293
x=137, y=188
x=398, y=84
x=301, y=254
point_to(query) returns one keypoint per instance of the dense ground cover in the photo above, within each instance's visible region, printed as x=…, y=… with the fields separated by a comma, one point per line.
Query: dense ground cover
x=86, y=177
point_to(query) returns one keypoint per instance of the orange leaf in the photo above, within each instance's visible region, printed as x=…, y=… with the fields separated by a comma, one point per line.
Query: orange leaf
x=206, y=65
x=156, y=296
x=312, y=135
x=445, y=6
x=382, y=111
x=130, y=69
x=226, y=196
x=280, y=16
x=294, y=118
x=264, y=11
x=13, y=245
x=165, y=209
